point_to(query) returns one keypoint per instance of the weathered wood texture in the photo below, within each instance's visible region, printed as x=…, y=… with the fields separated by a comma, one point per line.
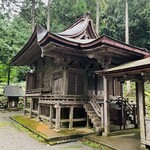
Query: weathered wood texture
x=106, y=108
x=141, y=98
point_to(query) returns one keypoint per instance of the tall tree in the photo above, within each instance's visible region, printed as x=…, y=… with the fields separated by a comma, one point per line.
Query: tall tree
x=48, y=14
x=33, y=14
x=127, y=38
x=97, y=16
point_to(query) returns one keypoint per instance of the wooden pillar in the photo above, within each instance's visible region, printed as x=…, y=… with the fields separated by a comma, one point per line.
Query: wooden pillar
x=39, y=111
x=106, y=108
x=51, y=116
x=31, y=107
x=65, y=82
x=102, y=115
x=137, y=106
x=87, y=121
x=141, y=98
x=71, y=118
x=25, y=103
x=57, y=122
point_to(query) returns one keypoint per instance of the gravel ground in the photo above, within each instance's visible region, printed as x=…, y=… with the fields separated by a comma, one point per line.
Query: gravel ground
x=13, y=139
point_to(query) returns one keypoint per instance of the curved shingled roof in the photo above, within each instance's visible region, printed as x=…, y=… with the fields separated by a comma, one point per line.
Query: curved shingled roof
x=81, y=29
x=80, y=37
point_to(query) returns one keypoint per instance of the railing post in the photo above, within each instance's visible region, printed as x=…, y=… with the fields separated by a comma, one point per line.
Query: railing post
x=50, y=116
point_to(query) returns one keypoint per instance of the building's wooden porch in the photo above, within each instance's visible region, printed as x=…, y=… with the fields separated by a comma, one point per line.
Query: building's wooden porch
x=69, y=111
x=139, y=72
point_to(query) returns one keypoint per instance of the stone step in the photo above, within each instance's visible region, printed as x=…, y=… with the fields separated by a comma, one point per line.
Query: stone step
x=128, y=122
x=95, y=119
x=114, y=127
x=130, y=126
x=96, y=123
x=99, y=130
x=91, y=112
x=93, y=116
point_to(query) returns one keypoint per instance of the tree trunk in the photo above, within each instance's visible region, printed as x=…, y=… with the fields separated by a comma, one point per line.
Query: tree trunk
x=33, y=14
x=48, y=15
x=127, y=38
x=97, y=16
x=126, y=23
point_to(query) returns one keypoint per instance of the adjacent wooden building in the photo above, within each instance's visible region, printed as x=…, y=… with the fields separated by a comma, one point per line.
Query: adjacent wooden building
x=67, y=85
x=13, y=93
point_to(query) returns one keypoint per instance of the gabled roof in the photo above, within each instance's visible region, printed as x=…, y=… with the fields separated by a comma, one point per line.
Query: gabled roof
x=32, y=50
x=13, y=91
x=81, y=29
x=79, y=38
x=141, y=67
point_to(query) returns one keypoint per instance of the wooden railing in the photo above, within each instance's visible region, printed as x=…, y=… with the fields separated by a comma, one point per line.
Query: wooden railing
x=97, y=108
x=38, y=91
x=126, y=107
x=58, y=97
x=124, y=102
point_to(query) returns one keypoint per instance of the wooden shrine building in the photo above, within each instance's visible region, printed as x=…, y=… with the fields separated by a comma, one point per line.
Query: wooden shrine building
x=13, y=93
x=67, y=85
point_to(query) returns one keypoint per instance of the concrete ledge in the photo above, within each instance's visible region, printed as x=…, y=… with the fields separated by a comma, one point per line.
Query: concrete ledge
x=56, y=137
x=99, y=142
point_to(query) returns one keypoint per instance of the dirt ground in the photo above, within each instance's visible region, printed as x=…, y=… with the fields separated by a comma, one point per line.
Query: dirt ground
x=12, y=138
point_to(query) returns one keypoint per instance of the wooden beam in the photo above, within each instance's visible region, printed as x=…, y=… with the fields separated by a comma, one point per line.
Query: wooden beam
x=106, y=108
x=141, y=98
x=71, y=118
x=25, y=103
x=137, y=104
x=87, y=121
x=51, y=116
x=31, y=107
x=58, y=114
x=65, y=84
x=39, y=111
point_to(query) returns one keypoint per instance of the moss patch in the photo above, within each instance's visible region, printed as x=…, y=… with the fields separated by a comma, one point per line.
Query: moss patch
x=95, y=145
x=29, y=123
x=3, y=124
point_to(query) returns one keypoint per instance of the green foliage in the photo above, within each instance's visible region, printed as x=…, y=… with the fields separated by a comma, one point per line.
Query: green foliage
x=65, y=12
x=140, y=22
x=13, y=35
x=15, y=24
x=95, y=145
x=40, y=12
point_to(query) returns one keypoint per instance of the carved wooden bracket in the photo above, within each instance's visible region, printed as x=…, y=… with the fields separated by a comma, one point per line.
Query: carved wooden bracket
x=105, y=61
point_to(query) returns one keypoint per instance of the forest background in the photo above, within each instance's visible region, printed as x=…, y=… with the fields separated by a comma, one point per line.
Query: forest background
x=17, y=18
